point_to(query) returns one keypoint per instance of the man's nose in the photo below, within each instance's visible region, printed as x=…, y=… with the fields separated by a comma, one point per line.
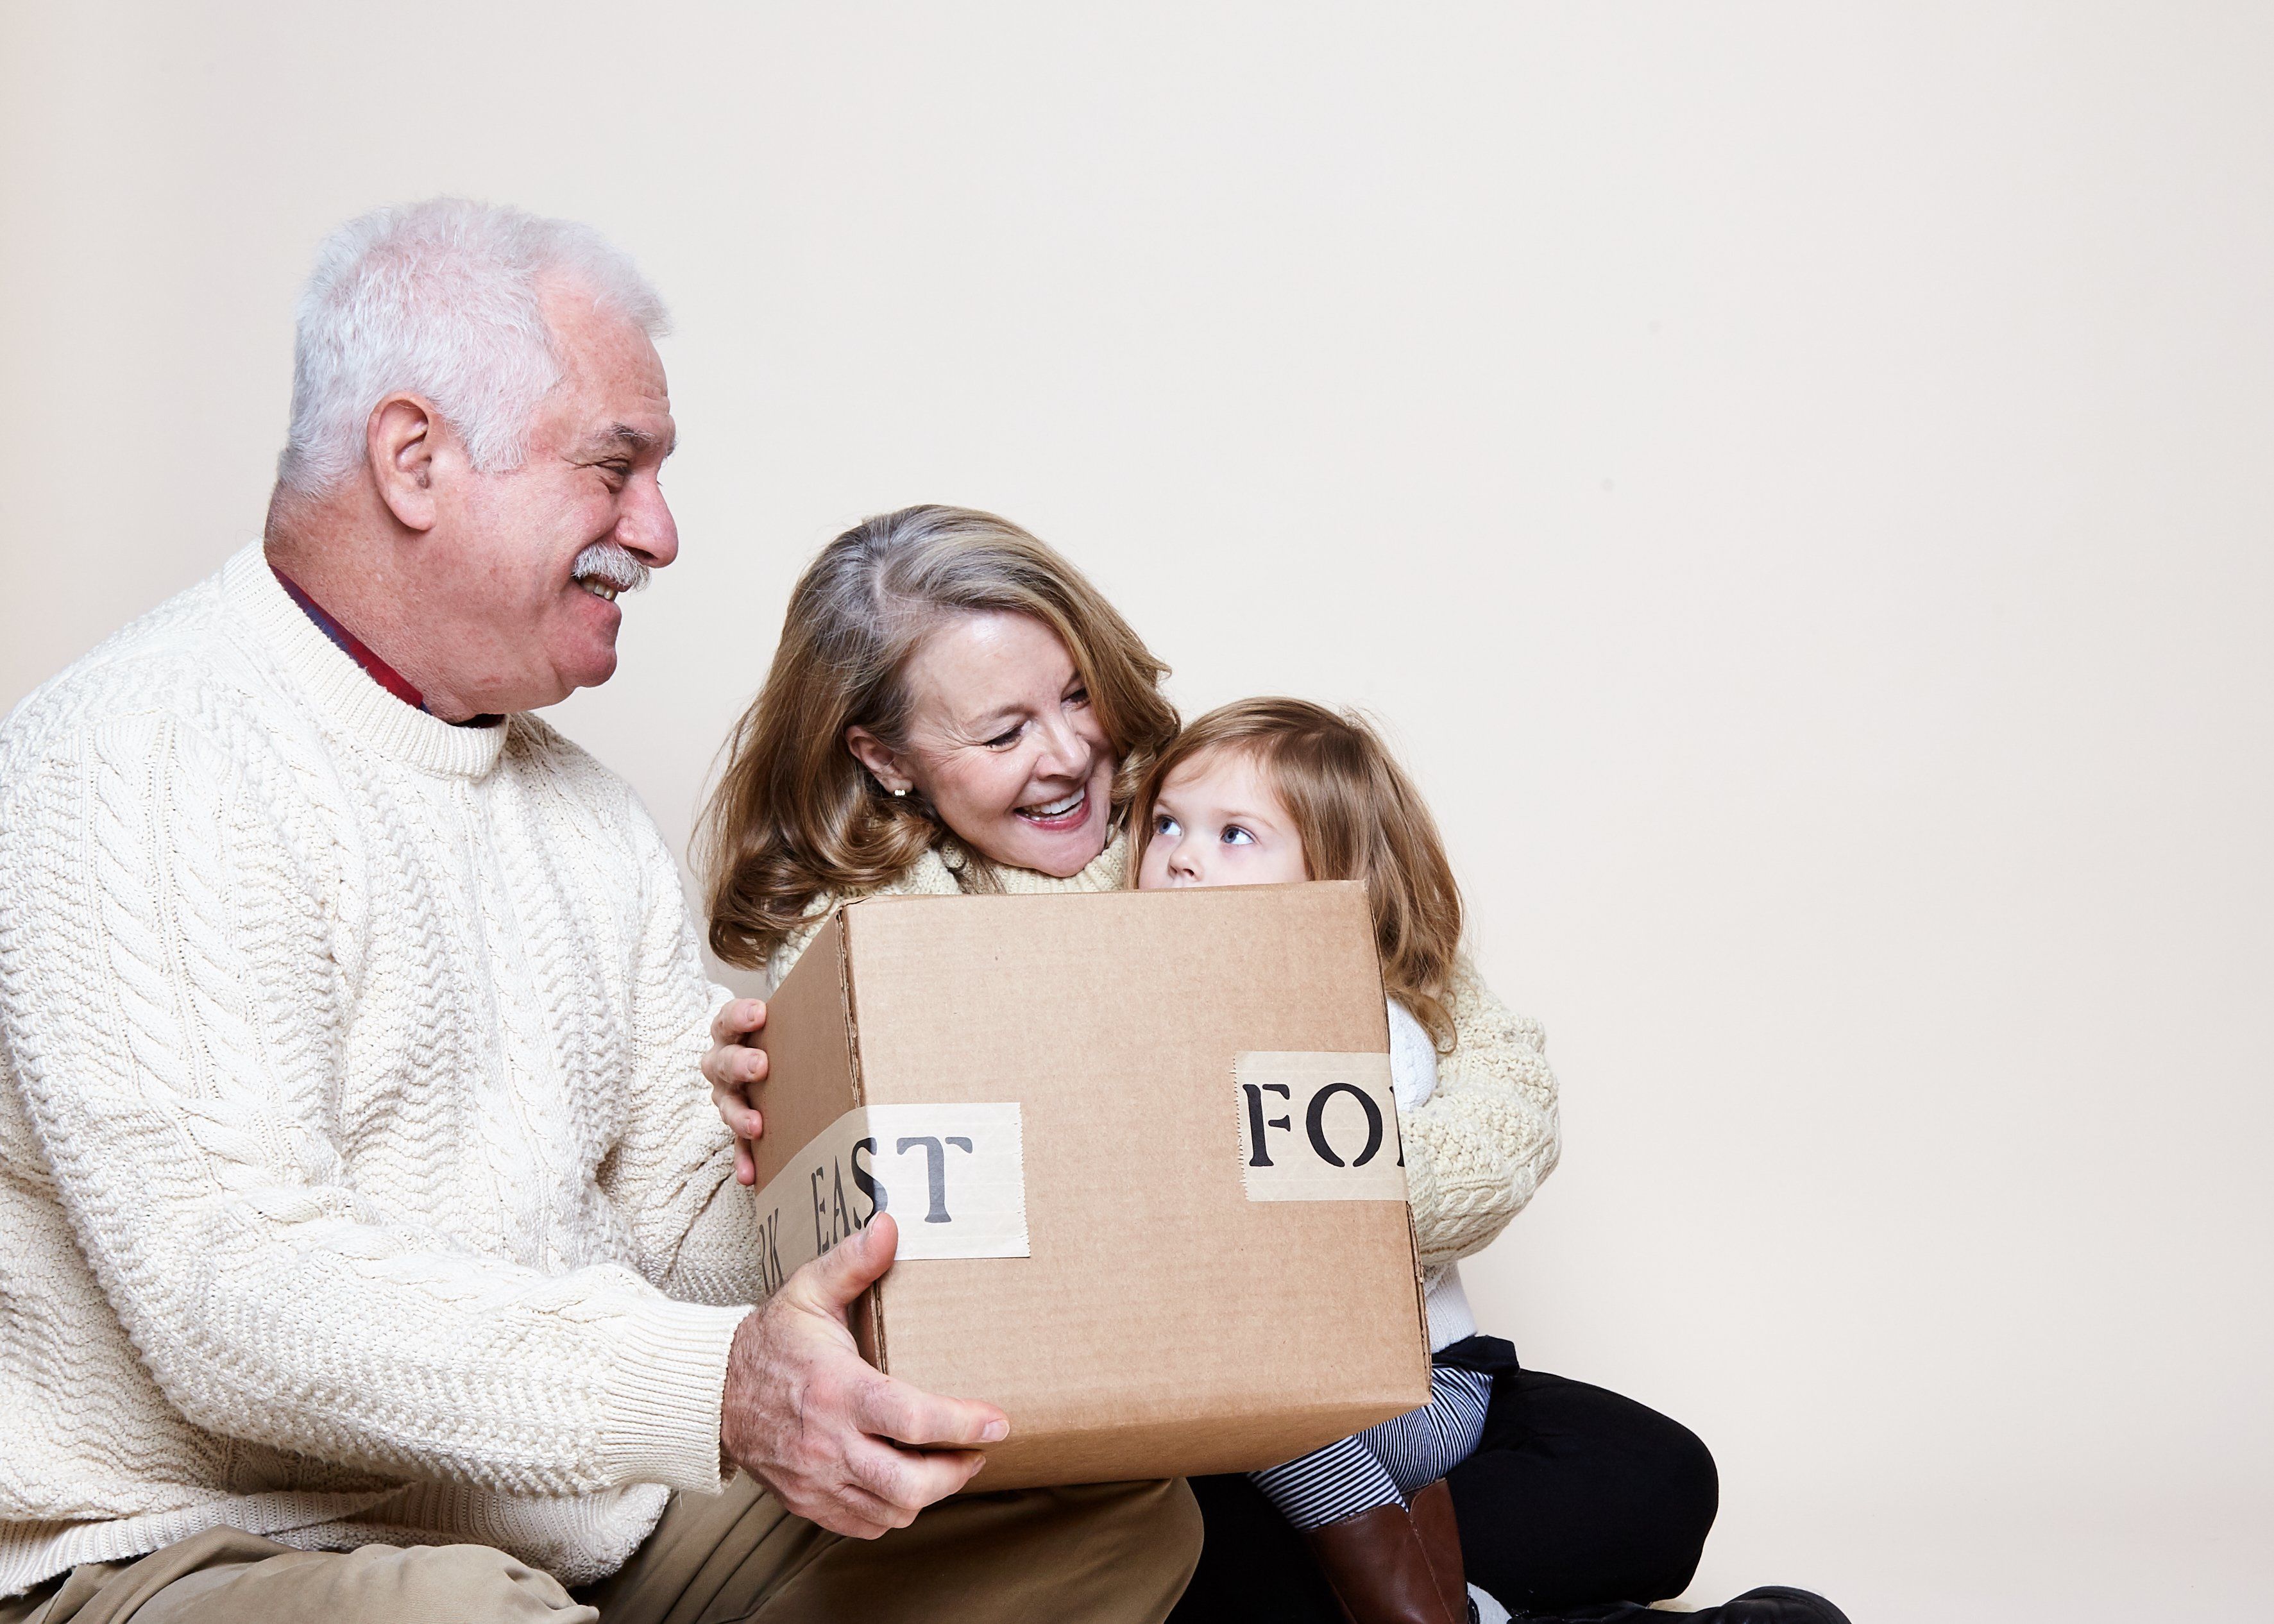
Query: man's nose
x=645, y=526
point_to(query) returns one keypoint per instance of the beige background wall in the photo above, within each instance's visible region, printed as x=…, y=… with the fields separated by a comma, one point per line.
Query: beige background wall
x=1793, y=477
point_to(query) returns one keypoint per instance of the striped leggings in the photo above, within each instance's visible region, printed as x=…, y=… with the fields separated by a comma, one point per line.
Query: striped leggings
x=1385, y=1464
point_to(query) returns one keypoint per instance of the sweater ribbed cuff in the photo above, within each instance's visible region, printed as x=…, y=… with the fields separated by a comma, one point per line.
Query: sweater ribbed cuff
x=662, y=1395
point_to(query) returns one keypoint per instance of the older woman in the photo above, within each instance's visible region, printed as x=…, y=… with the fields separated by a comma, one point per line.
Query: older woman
x=953, y=707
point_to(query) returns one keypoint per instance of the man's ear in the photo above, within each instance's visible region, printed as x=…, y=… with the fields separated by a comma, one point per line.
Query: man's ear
x=401, y=439
x=882, y=763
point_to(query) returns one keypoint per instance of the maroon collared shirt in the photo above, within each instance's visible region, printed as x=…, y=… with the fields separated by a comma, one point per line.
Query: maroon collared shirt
x=357, y=650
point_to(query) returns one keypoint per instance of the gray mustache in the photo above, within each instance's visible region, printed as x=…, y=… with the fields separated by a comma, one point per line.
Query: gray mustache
x=605, y=560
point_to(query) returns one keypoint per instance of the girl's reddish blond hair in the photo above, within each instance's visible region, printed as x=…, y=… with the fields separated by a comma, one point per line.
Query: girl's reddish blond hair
x=1359, y=818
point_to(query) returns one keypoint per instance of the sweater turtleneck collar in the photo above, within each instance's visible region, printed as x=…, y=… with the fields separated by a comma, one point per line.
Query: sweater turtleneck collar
x=344, y=690
x=1109, y=870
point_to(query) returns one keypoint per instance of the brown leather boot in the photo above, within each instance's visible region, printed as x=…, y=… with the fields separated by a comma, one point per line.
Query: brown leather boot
x=1441, y=1542
x=1376, y=1566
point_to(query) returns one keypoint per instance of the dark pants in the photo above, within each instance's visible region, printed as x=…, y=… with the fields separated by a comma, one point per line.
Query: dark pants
x=1575, y=1495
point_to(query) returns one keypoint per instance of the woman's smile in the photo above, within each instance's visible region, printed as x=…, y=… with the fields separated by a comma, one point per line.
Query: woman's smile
x=1066, y=813
x=1055, y=827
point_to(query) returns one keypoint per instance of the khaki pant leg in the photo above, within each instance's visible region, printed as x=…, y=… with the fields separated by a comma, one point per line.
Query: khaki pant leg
x=1104, y=1554
x=222, y=1576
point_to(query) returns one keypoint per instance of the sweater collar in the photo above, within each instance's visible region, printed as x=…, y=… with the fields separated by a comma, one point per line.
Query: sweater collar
x=1109, y=870
x=354, y=647
x=344, y=689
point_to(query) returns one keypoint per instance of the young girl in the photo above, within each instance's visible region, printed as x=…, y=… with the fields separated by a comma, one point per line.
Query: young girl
x=1271, y=791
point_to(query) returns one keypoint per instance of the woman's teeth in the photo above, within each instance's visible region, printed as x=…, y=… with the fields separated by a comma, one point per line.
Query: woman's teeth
x=1057, y=808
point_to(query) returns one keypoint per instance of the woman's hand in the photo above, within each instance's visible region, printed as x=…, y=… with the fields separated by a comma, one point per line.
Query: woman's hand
x=734, y=1067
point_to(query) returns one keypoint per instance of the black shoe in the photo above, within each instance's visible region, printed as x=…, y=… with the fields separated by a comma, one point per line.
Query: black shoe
x=1774, y=1603
x=1771, y=1604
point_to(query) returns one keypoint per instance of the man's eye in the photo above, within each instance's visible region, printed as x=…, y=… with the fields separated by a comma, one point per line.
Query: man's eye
x=1234, y=835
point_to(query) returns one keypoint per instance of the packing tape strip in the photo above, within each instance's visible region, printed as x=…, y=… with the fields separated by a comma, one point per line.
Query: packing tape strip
x=954, y=1177
x=1318, y=1127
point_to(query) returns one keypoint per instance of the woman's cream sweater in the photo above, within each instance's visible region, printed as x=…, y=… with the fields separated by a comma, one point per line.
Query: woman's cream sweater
x=1474, y=1153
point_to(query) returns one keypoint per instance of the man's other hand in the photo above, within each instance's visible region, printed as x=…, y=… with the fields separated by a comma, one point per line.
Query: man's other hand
x=837, y=1441
x=734, y=1067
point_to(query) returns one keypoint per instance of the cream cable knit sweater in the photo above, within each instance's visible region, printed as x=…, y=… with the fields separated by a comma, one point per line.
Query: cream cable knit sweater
x=357, y=1179
x=1475, y=1152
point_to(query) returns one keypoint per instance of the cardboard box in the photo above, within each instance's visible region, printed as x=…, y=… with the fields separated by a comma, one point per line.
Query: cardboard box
x=1143, y=1153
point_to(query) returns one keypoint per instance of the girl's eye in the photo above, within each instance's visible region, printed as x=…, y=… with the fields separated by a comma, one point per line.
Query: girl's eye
x=1165, y=826
x=1234, y=835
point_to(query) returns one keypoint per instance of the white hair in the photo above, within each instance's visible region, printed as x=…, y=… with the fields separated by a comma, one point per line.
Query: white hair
x=439, y=298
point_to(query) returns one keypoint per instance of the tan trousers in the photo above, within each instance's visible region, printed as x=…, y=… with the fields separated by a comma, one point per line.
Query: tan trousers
x=1106, y=1553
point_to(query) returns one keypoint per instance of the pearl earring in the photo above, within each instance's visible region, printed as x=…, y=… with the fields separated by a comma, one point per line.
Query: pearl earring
x=899, y=792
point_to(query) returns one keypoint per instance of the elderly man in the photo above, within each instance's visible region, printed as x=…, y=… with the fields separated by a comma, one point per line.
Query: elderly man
x=369, y=1247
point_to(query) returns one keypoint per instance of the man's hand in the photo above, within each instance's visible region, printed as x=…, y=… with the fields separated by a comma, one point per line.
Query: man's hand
x=734, y=1067
x=837, y=1441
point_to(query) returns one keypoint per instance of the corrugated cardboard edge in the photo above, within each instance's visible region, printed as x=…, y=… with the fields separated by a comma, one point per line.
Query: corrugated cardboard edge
x=868, y=1317
x=1413, y=1232
x=844, y=945
x=1420, y=1285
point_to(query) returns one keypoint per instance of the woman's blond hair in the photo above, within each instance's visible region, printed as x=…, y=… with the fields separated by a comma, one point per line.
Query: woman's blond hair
x=1358, y=817
x=794, y=817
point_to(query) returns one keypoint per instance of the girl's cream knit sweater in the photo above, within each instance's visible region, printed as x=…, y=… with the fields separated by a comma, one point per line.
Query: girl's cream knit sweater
x=357, y=1179
x=1475, y=1152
